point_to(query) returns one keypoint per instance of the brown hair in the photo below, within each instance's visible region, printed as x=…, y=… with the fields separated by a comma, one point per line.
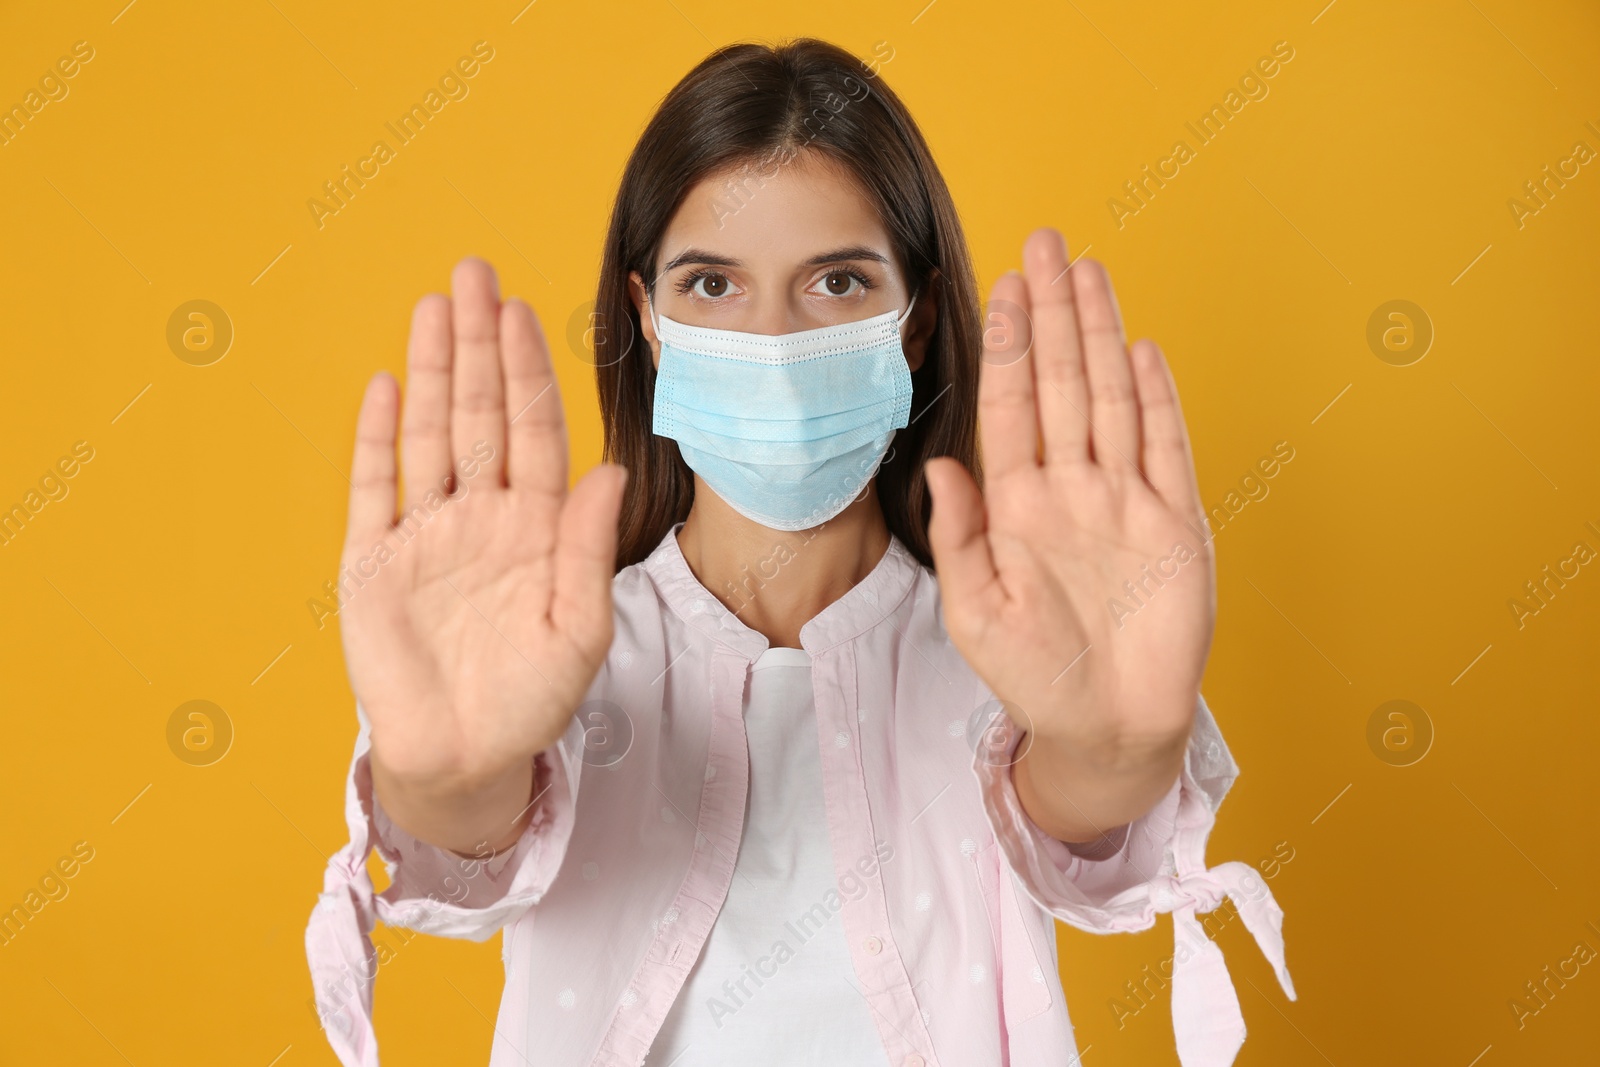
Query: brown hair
x=751, y=103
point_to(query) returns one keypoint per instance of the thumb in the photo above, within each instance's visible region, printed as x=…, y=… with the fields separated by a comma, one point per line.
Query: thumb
x=586, y=549
x=958, y=535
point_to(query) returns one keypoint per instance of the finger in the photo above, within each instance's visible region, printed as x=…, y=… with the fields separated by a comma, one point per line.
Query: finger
x=537, y=433
x=586, y=552
x=1057, y=352
x=372, y=471
x=958, y=538
x=1113, y=403
x=425, y=435
x=1008, y=425
x=477, y=388
x=1168, y=461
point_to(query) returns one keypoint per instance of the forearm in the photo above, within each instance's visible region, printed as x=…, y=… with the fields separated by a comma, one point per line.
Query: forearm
x=1087, y=799
x=475, y=821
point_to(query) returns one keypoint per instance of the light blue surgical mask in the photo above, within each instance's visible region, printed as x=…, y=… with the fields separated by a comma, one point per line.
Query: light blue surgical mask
x=787, y=428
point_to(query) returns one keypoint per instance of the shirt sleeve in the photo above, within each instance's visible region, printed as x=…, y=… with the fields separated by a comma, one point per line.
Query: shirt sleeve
x=432, y=890
x=1159, y=868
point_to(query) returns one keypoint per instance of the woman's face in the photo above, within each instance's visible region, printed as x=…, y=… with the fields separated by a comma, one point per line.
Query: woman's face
x=775, y=253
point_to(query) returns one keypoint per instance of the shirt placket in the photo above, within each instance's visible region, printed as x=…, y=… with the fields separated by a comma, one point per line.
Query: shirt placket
x=683, y=930
x=880, y=971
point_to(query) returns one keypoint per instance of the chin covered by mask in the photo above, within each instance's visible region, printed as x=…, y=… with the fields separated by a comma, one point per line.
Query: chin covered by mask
x=787, y=428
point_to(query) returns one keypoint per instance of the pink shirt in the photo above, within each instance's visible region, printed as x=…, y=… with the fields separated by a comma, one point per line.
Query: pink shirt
x=948, y=891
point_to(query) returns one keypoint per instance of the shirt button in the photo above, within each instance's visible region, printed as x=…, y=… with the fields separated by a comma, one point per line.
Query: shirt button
x=914, y=1060
x=873, y=946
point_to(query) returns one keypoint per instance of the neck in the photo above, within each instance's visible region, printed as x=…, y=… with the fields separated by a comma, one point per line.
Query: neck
x=777, y=581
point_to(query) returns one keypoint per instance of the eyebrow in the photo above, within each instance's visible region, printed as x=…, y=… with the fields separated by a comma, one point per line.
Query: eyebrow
x=836, y=255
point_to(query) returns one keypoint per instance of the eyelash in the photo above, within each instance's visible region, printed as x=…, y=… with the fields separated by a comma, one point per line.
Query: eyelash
x=866, y=282
x=687, y=282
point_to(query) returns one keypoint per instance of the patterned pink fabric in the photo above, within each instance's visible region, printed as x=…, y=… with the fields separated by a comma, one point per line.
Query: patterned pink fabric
x=947, y=891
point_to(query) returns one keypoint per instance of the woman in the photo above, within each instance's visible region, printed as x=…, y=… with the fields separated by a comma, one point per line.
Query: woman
x=741, y=780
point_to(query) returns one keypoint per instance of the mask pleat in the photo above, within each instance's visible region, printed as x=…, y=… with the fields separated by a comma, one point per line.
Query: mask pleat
x=787, y=442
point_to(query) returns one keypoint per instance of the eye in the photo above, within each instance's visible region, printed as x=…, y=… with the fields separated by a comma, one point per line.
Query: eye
x=708, y=284
x=845, y=281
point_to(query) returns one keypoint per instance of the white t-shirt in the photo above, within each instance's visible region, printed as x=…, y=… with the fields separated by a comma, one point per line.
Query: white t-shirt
x=775, y=985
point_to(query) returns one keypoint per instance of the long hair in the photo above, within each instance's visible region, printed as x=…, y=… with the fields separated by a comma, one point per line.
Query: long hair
x=749, y=104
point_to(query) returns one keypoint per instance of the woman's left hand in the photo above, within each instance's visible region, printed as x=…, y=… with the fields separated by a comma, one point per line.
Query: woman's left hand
x=1079, y=583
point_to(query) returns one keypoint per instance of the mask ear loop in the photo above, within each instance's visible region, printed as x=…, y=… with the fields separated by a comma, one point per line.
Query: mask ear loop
x=902, y=320
x=649, y=299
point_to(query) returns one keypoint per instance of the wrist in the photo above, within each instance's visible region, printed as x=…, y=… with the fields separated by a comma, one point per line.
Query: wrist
x=473, y=820
x=1082, y=800
x=1102, y=847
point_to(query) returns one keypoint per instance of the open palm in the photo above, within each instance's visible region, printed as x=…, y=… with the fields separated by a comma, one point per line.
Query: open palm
x=1079, y=584
x=482, y=615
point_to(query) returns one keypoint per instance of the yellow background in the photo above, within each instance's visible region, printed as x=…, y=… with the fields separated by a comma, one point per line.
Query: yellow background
x=1379, y=567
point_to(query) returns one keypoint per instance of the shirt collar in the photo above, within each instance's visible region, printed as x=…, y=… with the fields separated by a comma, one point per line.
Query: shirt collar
x=867, y=603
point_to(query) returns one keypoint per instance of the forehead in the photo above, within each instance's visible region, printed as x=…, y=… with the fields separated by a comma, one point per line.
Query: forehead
x=772, y=214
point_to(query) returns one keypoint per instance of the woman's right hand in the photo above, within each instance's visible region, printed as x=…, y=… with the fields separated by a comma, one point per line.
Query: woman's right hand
x=474, y=636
